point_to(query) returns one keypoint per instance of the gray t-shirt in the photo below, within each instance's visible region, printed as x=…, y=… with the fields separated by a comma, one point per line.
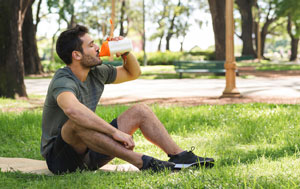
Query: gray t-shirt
x=87, y=92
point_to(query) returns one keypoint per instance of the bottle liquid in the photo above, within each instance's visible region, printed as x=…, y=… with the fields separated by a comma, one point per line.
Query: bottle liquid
x=113, y=47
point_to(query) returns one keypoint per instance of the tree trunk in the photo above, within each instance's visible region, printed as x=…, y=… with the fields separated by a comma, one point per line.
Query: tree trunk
x=170, y=30
x=11, y=48
x=294, y=40
x=32, y=62
x=72, y=22
x=263, y=36
x=217, y=9
x=122, y=18
x=294, y=49
x=37, y=16
x=245, y=8
x=159, y=43
x=181, y=46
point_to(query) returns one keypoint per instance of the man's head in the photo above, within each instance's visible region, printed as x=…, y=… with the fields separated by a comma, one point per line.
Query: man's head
x=76, y=44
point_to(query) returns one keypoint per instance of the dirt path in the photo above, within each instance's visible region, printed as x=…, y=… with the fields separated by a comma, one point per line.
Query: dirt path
x=190, y=100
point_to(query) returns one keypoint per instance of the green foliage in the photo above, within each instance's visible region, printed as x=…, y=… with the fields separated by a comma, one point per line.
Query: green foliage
x=172, y=18
x=290, y=8
x=168, y=57
x=53, y=66
x=207, y=55
x=160, y=58
x=65, y=8
x=276, y=67
x=255, y=146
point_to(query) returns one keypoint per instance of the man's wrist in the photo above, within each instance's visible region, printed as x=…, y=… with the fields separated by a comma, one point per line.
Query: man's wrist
x=124, y=56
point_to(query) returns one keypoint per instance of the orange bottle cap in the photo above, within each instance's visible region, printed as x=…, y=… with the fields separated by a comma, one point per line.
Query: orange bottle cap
x=104, y=49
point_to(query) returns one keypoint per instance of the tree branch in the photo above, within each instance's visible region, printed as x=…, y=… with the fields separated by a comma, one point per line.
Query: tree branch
x=239, y=36
x=37, y=18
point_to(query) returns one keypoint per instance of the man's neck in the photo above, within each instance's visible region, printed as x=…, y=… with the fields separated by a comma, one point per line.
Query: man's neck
x=79, y=71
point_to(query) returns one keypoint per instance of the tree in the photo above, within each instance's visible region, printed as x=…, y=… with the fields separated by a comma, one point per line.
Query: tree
x=122, y=19
x=290, y=9
x=11, y=48
x=32, y=62
x=175, y=11
x=171, y=19
x=182, y=24
x=65, y=10
x=245, y=8
x=268, y=19
x=217, y=10
x=159, y=18
x=293, y=28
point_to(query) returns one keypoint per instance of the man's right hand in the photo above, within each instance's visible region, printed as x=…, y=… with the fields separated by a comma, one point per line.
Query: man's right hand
x=124, y=138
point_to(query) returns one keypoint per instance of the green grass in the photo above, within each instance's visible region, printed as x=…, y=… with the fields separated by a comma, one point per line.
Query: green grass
x=265, y=65
x=274, y=67
x=254, y=145
x=168, y=72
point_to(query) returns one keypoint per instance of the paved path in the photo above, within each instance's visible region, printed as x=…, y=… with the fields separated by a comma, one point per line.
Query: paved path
x=144, y=89
x=25, y=165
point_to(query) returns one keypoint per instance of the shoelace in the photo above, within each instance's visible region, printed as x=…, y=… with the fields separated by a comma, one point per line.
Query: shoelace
x=191, y=151
x=192, y=148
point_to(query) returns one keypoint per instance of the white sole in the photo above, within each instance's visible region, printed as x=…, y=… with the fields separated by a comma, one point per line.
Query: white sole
x=182, y=166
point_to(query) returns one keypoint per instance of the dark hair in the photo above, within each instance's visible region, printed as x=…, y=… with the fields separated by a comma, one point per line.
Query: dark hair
x=69, y=41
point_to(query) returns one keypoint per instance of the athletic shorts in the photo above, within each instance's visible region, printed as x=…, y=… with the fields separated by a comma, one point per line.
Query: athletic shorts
x=62, y=158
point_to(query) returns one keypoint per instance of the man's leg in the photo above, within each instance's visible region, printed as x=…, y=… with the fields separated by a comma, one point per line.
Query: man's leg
x=141, y=116
x=81, y=139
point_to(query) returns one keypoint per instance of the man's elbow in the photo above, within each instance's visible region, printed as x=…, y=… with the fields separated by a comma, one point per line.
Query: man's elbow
x=138, y=74
x=135, y=75
x=71, y=113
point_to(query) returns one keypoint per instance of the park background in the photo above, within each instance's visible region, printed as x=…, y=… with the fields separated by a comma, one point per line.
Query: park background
x=255, y=141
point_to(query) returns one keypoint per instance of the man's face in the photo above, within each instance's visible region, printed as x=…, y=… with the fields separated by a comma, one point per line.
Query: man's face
x=90, y=56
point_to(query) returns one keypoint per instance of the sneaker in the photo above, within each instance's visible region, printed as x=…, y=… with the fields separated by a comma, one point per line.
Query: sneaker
x=150, y=163
x=187, y=159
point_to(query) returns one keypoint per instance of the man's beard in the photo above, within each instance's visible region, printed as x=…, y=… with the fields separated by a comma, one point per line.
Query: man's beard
x=90, y=61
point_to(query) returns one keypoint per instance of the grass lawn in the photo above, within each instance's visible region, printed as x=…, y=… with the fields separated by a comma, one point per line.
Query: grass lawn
x=266, y=65
x=168, y=71
x=254, y=145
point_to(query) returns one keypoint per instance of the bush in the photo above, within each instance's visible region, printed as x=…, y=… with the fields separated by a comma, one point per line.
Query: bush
x=50, y=66
x=153, y=58
x=57, y=59
x=208, y=55
x=167, y=58
x=160, y=58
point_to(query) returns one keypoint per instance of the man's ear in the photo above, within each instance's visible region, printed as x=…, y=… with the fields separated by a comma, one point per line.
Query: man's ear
x=76, y=55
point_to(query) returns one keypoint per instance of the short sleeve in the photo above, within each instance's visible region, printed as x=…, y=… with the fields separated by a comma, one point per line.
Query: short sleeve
x=63, y=84
x=107, y=73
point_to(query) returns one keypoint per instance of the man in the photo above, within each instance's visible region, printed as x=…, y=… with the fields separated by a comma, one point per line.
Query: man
x=74, y=137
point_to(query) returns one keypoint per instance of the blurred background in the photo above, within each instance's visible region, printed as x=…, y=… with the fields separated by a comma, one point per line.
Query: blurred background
x=162, y=31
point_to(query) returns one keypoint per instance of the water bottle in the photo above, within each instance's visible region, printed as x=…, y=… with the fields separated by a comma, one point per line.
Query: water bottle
x=112, y=47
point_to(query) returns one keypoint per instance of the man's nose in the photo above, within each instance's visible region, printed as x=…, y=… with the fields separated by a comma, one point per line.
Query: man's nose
x=97, y=47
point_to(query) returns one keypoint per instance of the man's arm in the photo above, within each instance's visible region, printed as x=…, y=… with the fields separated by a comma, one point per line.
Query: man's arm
x=129, y=71
x=84, y=117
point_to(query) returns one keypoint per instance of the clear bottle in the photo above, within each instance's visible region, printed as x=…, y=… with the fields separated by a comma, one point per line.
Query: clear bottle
x=112, y=47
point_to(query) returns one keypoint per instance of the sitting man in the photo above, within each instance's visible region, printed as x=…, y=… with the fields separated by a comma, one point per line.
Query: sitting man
x=74, y=137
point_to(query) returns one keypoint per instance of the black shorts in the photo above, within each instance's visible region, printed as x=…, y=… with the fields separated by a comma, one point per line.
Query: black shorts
x=62, y=158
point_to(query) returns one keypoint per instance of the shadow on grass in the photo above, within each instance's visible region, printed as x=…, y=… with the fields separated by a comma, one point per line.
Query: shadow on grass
x=240, y=156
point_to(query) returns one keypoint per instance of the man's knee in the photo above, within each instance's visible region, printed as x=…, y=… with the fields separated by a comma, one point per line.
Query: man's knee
x=72, y=134
x=70, y=128
x=142, y=110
